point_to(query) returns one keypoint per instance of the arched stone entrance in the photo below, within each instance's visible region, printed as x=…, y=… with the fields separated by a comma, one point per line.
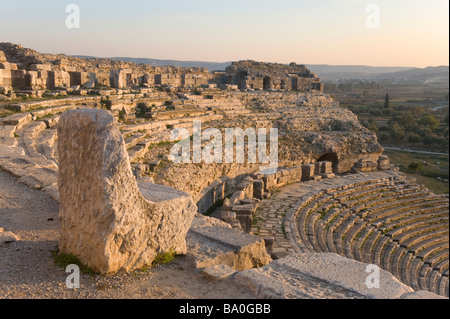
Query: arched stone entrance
x=330, y=157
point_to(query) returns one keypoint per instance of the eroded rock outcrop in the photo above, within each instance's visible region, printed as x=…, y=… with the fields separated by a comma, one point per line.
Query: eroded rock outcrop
x=105, y=220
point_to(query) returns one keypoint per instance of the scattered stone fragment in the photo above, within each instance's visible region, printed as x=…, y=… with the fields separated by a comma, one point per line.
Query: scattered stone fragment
x=218, y=272
x=8, y=236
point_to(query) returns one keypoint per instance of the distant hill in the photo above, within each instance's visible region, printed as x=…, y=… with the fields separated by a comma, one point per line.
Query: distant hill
x=325, y=72
x=439, y=74
x=345, y=72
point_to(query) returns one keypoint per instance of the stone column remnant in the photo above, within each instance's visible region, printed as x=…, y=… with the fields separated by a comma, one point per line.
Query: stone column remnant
x=107, y=220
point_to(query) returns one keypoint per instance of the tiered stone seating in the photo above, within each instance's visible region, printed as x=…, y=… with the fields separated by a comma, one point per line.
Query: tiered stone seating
x=45, y=144
x=395, y=224
x=32, y=133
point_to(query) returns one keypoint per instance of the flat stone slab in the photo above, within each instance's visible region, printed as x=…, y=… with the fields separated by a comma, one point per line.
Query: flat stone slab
x=278, y=254
x=18, y=119
x=7, y=236
x=159, y=193
x=319, y=276
x=7, y=135
x=218, y=272
x=34, y=172
x=213, y=242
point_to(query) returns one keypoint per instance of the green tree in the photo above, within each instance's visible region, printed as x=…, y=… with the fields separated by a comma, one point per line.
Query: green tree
x=415, y=166
x=406, y=120
x=372, y=125
x=383, y=137
x=397, y=132
x=387, y=102
x=421, y=130
x=413, y=138
x=429, y=121
x=429, y=139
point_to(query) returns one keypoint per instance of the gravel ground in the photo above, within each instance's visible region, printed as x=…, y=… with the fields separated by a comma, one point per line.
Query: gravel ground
x=27, y=269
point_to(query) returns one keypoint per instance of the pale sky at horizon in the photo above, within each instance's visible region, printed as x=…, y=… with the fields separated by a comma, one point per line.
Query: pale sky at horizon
x=412, y=33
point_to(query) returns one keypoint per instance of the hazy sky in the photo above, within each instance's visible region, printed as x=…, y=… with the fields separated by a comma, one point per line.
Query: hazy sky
x=411, y=32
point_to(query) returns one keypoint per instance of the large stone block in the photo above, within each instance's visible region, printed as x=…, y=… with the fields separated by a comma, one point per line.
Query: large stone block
x=2, y=56
x=307, y=172
x=258, y=189
x=213, y=242
x=383, y=162
x=244, y=214
x=107, y=221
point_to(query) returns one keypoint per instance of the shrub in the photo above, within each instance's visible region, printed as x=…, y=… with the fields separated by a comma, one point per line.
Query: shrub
x=63, y=260
x=164, y=258
x=414, y=166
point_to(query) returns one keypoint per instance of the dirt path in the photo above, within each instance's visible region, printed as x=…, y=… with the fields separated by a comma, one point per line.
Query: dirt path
x=27, y=269
x=412, y=151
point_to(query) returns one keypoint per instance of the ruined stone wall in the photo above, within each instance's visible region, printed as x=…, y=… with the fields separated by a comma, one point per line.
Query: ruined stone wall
x=26, y=69
x=251, y=75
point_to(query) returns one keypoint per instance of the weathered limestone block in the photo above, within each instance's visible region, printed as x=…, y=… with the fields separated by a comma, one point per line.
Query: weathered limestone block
x=364, y=165
x=41, y=67
x=106, y=221
x=307, y=172
x=282, y=180
x=59, y=78
x=296, y=172
x=7, y=236
x=258, y=189
x=218, y=272
x=5, y=80
x=228, y=216
x=327, y=167
x=269, y=181
x=19, y=119
x=2, y=56
x=18, y=79
x=383, y=162
x=324, y=169
x=214, y=242
x=244, y=215
x=238, y=195
x=8, y=66
x=246, y=186
x=7, y=135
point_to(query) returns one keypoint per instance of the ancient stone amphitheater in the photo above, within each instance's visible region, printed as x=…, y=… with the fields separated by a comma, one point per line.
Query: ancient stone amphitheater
x=334, y=190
